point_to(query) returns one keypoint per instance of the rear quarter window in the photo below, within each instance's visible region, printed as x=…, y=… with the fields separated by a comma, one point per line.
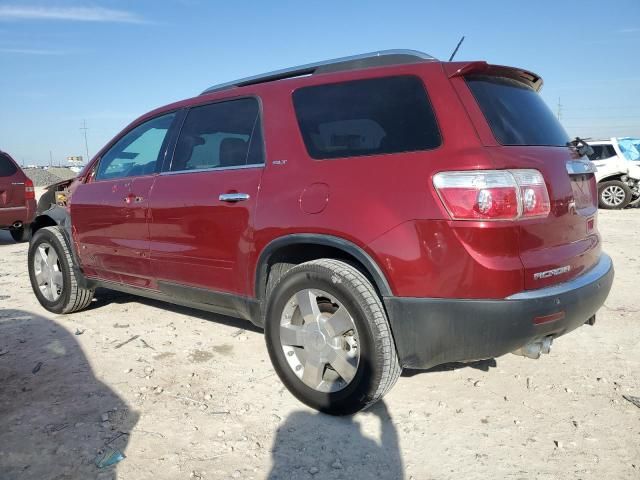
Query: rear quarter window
x=7, y=167
x=515, y=112
x=366, y=117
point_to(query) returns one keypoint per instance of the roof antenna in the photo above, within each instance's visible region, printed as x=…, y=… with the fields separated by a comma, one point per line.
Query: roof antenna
x=457, y=47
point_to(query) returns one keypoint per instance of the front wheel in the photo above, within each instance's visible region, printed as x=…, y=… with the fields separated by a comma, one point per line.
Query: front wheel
x=329, y=339
x=614, y=195
x=51, y=272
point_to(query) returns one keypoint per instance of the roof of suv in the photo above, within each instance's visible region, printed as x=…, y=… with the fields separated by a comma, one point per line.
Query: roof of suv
x=355, y=62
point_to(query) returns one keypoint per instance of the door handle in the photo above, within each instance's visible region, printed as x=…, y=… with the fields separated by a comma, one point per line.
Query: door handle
x=233, y=197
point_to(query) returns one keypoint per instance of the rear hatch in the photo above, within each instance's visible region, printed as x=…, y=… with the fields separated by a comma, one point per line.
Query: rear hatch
x=11, y=183
x=519, y=131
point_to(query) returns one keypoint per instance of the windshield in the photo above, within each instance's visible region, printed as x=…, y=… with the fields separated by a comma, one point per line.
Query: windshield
x=630, y=148
x=515, y=112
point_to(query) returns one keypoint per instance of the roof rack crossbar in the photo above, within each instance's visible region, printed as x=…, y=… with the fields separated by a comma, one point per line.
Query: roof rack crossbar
x=365, y=60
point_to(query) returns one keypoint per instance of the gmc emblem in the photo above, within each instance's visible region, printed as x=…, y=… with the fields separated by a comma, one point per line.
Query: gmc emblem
x=551, y=273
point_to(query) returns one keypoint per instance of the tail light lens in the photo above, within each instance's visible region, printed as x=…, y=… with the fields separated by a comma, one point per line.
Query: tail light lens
x=493, y=194
x=29, y=190
x=533, y=191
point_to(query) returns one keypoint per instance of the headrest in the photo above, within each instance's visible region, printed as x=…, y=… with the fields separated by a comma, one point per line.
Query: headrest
x=233, y=152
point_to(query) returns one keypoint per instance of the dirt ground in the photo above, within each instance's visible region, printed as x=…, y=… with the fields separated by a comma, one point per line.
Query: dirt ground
x=190, y=395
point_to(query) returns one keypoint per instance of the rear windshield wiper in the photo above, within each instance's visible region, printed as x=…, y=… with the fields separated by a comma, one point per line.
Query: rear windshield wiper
x=581, y=146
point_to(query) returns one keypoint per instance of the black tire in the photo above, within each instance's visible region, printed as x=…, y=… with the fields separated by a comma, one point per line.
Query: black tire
x=604, y=200
x=72, y=297
x=22, y=234
x=276, y=272
x=378, y=369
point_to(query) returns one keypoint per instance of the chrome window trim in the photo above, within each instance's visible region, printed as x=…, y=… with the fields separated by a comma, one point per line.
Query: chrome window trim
x=214, y=169
x=600, y=270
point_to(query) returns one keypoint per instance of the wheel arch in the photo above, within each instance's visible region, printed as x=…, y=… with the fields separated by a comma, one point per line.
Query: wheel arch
x=59, y=216
x=42, y=221
x=612, y=176
x=303, y=247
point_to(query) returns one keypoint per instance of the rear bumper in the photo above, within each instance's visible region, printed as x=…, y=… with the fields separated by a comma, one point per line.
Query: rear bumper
x=23, y=213
x=432, y=331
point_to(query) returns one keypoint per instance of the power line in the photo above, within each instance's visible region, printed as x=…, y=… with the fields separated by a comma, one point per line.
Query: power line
x=86, y=144
x=559, y=114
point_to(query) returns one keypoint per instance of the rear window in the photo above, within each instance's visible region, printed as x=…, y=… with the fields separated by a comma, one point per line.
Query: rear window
x=366, y=117
x=515, y=112
x=7, y=167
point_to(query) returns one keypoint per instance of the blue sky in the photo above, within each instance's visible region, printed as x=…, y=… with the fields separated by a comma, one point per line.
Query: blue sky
x=109, y=61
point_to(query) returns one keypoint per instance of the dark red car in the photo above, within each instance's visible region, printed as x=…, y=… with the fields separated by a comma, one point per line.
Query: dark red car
x=371, y=213
x=17, y=199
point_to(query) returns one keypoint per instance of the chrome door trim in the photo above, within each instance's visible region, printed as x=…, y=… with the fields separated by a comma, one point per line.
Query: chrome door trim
x=214, y=169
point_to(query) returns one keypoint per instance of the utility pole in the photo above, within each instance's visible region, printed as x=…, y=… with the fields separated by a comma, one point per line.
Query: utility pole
x=86, y=145
x=50, y=159
x=559, y=114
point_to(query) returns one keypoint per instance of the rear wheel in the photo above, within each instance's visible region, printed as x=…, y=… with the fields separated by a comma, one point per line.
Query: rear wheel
x=51, y=273
x=614, y=195
x=22, y=234
x=329, y=339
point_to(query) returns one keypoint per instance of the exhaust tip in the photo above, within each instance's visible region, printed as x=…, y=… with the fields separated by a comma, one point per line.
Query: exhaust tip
x=17, y=225
x=535, y=349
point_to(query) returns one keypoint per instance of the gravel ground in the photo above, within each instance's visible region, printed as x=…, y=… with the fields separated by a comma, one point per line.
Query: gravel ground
x=191, y=395
x=42, y=178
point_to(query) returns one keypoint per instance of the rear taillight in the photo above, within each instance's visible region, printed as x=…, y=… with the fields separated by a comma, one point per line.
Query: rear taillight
x=493, y=194
x=29, y=190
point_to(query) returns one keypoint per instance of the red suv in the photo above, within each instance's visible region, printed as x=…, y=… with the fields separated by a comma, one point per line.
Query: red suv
x=17, y=199
x=371, y=213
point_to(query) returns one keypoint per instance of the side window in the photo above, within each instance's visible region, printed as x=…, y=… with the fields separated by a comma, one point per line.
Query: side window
x=597, y=152
x=137, y=152
x=602, y=152
x=224, y=134
x=7, y=167
x=366, y=117
x=608, y=151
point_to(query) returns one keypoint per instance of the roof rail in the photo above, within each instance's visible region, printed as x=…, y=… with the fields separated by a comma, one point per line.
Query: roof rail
x=366, y=60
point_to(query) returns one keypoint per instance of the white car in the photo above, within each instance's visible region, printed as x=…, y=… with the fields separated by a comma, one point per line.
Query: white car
x=618, y=171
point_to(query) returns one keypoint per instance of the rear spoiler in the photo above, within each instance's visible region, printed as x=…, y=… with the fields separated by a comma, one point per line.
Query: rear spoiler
x=460, y=69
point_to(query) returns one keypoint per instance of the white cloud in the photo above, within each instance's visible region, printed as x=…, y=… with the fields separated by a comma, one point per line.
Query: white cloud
x=31, y=51
x=78, y=14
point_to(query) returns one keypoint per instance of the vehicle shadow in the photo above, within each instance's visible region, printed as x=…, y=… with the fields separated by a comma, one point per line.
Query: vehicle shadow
x=104, y=296
x=6, y=238
x=52, y=407
x=483, y=365
x=315, y=445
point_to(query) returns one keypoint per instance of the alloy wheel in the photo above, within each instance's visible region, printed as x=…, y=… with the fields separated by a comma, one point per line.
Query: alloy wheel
x=46, y=267
x=613, y=195
x=320, y=341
